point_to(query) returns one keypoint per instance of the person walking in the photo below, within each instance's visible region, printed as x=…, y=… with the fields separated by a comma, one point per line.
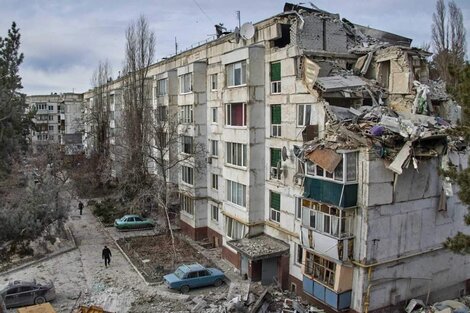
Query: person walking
x=106, y=255
x=80, y=207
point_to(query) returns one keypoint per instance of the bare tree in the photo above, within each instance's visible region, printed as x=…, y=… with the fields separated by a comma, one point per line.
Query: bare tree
x=448, y=39
x=137, y=107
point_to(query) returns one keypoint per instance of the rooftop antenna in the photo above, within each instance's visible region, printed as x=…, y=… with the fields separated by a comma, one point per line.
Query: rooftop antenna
x=176, y=46
x=238, y=17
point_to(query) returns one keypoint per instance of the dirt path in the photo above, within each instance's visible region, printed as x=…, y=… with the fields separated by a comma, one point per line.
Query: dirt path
x=82, y=272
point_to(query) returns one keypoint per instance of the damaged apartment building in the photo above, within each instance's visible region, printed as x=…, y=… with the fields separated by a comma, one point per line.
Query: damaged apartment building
x=325, y=141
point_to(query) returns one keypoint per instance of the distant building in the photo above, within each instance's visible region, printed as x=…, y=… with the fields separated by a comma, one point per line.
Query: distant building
x=298, y=187
x=58, y=120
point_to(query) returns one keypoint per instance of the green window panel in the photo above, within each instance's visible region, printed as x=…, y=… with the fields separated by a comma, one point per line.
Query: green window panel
x=275, y=71
x=275, y=156
x=276, y=114
x=276, y=201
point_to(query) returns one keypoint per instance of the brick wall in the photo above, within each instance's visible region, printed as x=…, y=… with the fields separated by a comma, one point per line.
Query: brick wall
x=194, y=233
x=230, y=256
x=214, y=237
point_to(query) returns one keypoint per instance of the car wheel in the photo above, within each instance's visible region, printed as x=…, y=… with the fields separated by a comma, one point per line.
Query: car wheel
x=218, y=282
x=184, y=289
x=39, y=300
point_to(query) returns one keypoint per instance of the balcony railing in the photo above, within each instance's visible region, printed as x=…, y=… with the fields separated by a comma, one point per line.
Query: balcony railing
x=331, y=192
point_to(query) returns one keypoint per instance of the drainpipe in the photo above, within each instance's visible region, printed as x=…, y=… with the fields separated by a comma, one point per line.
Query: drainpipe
x=370, y=268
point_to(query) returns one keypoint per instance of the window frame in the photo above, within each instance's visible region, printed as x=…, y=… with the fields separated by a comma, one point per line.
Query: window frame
x=186, y=114
x=304, y=107
x=298, y=208
x=214, y=181
x=274, y=213
x=187, y=204
x=213, y=82
x=275, y=84
x=239, y=196
x=276, y=128
x=350, y=161
x=159, y=90
x=214, y=115
x=187, y=145
x=187, y=175
x=298, y=248
x=236, y=154
x=230, y=72
x=186, y=83
x=229, y=117
x=214, y=213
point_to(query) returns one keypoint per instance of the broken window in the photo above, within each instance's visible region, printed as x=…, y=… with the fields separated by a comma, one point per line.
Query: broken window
x=303, y=116
x=320, y=268
x=236, y=154
x=187, y=174
x=161, y=88
x=275, y=206
x=236, y=193
x=349, y=161
x=284, y=39
x=328, y=219
x=235, y=114
x=299, y=254
x=236, y=74
x=185, y=83
x=276, y=120
x=276, y=77
x=187, y=204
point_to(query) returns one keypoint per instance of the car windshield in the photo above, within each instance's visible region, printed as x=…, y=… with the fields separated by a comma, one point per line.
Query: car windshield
x=179, y=273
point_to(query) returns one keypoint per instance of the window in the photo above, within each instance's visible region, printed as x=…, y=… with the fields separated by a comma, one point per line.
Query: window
x=162, y=113
x=215, y=181
x=235, y=114
x=236, y=74
x=214, y=115
x=51, y=127
x=51, y=117
x=299, y=254
x=213, y=82
x=304, y=113
x=185, y=83
x=328, y=219
x=51, y=108
x=233, y=229
x=349, y=161
x=161, y=87
x=236, y=193
x=214, y=148
x=236, y=154
x=187, y=204
x=187, y=145
x=276, y=77
x=187, y=174
x=275, y=206
x=320, y=268
x=276, y=170
x=214, y=213
x=298, y=208
x=276, y=120
x=41, y=106
x=186, y=114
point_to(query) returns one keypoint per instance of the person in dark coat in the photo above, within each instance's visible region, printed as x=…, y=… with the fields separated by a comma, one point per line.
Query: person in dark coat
x=106, y=255
x=80, y=207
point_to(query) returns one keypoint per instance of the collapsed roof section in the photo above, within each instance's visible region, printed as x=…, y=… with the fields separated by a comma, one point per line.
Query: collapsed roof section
x=385, y=102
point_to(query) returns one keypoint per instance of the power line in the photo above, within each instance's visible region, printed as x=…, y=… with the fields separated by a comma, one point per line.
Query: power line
x=203, y=12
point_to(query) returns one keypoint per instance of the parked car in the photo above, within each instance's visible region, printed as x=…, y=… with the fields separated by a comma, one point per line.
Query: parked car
x=22, y=293
x=193, y=276
x=133, y=222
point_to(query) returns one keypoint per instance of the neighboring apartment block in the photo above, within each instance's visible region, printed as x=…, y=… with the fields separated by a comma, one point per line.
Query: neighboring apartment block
x=321, y=170
x=58, y=120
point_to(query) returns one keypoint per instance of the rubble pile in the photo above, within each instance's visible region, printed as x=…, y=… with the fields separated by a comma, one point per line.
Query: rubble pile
x=448, y=306
x=399, y=138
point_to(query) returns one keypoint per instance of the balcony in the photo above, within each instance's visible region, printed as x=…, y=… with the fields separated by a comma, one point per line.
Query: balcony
x=331, y=192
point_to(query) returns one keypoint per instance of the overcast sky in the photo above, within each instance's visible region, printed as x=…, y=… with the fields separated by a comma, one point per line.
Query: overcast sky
x=63, y=40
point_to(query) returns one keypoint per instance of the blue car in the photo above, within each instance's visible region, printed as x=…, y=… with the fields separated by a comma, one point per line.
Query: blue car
x=193, y=276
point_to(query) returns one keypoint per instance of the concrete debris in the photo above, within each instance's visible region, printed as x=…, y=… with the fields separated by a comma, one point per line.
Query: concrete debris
x=447, y=306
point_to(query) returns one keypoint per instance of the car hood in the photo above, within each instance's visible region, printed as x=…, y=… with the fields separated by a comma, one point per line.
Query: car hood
x=171, y=278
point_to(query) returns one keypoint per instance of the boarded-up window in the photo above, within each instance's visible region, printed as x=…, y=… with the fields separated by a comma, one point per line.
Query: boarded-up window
x=275, y=156
x=276, y=114
x=275, y=71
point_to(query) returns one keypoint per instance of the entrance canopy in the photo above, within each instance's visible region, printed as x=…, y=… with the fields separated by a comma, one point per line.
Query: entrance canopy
x=259, y=247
